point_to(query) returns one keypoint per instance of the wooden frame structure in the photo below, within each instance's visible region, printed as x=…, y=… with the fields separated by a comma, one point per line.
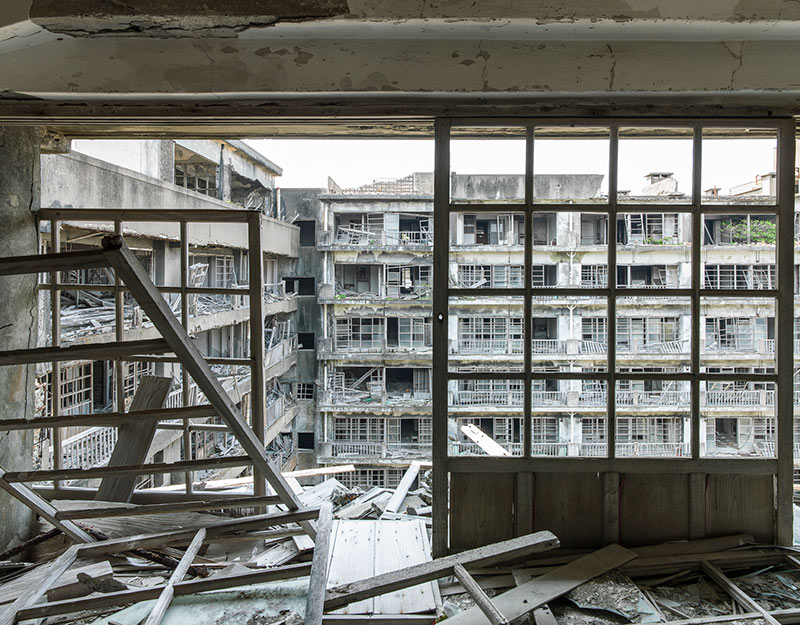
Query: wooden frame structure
x=521, y=472
x=129, y=275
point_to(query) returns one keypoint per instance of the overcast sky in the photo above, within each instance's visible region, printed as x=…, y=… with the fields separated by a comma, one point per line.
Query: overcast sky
x=353, y=162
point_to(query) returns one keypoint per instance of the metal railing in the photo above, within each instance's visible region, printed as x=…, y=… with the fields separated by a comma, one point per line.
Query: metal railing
x=653, y=398
x=376, y=345
x=488, y=398
x=375, y=449
x=634, y=449
x=402, y=238
x=90, y=448
x=280, y=351
x=739, y=398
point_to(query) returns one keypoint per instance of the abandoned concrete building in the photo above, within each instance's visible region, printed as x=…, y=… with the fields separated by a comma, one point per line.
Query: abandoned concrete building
x=173, y=174
x=546, y=376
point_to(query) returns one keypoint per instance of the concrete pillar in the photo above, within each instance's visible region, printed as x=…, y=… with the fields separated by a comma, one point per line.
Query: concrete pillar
x=19, y=201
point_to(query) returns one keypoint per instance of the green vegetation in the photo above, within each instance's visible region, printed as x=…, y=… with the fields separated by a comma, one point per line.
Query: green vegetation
x=761, y=231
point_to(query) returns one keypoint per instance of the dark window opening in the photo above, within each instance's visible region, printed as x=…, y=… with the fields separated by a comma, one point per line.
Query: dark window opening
x=305, y=440
x=307, y=233
x=305, y=340
x=300, y=286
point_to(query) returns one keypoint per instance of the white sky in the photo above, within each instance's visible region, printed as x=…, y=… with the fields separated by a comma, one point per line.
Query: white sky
x=353, y=162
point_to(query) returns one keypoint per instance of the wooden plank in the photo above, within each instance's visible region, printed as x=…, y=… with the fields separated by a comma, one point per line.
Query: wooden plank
x=523, y=504
x=352, y=558
x=109, y=418
x=165, y=598
x=482, y=556
x=482, y=440
x=525, y=598
x=556, y=498
x=157, y=309
x=481, y=509
x=60, y=261
x=653, y=508
x=143, y=541
x=480, y=598
x=543, y=616
x=697, y=505
x=137, y=469
x=162, y=508
x=69, y=585
x=399, y=545
x=190, y=587
x=741, y=503
x=90, y=351
x=396, y=500
x=343, y=468
x=32, y=594
x=740, y=596
x=611, y=505
x=377, y=619
x=134, y=439
x=318, y=580
x=43, y=508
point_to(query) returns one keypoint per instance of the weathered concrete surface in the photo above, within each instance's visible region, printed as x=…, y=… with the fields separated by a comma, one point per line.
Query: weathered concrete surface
x=19, y=200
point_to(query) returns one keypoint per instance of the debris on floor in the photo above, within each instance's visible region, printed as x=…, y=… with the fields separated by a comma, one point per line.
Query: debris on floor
x=260, y=567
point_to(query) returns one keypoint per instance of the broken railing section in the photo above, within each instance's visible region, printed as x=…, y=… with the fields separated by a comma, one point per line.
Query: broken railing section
x=117, y=256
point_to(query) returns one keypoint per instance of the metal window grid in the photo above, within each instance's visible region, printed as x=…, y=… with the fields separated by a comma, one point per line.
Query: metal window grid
x=782, y=211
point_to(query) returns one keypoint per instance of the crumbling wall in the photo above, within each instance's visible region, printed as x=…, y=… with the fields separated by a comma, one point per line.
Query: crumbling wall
x=19, y=201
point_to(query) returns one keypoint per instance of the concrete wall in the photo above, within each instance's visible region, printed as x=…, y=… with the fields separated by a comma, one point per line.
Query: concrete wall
x=303, y=204
x=77, y=180
x=139, y=155
x=19, y=200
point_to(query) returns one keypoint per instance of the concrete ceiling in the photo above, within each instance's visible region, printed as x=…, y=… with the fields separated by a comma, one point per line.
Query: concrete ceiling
x=176, y=61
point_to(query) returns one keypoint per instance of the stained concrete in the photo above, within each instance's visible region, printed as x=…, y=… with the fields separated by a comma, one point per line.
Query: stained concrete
x=19, y=201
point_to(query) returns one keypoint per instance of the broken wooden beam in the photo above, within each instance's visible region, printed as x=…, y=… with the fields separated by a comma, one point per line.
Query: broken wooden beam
x=165, y=598
x=484, y=441
x=91, y=351
x=396, y=500
x=136, y=469
x=134, y=439
x=189, y=587
x=318, y=580
x=480, y=598
x=60, y=261
x=427, y=571
x=149, y=298
x=525, y=598
x=43, y=508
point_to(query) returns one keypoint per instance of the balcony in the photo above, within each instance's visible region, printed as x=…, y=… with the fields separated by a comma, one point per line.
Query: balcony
x=356, y=238
x=372, y=451
x=377, y=400
x=637, y=449
x=329, y=347
x=388, y=292
x=512, y=346
x=734, y=398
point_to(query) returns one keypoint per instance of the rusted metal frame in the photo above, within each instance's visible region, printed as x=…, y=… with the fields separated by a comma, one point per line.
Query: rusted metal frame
x=257, y=338
x=186, y=395
x=119, y=334
x=611, y=311
x=548, y=464
x=441, y=227
x=55, y=341
x=697, y=282
x=625, y=121
x=785, y=334
x=527, y=268
x=157, y=214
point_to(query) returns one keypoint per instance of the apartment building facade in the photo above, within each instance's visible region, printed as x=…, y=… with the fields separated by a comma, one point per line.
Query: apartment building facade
x=163, y=175
x=372, y=272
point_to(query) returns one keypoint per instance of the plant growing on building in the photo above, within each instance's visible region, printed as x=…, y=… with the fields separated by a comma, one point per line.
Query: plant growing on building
x=761, y=231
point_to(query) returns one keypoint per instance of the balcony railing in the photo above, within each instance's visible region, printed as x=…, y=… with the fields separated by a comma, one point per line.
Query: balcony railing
x=634, y=449
x=489, y=398
x=356, y=236
x=374, y=346
x=653, y=398
x=375, y=449
x=486, y=346
x=90, y=448
x=380, y=398
x=279, y=351
x=469, y=448
x=740, y=398
x=385, y=291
